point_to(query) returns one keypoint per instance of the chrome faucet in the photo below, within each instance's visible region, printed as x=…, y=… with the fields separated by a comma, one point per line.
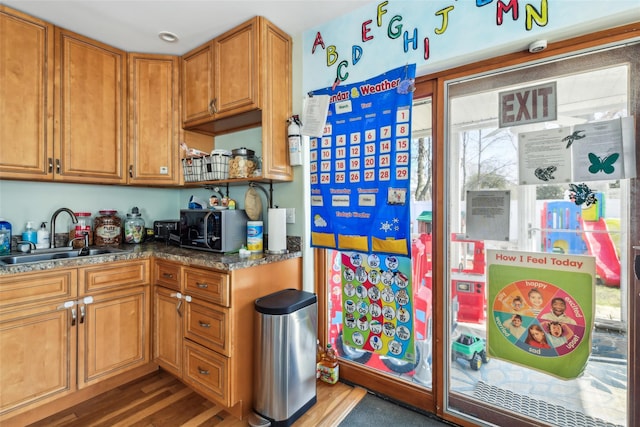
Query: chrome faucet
x=53, y=223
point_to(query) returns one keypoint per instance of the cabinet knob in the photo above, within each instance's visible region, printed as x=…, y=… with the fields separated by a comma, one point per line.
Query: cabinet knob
x=167, y=275
x=204, y=324
x=50, y=160
x=203, y=371
x=202, y=285
x=57, y=166
x=130, y=171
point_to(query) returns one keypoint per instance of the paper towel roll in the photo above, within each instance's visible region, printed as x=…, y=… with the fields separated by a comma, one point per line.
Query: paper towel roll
x=277, y=238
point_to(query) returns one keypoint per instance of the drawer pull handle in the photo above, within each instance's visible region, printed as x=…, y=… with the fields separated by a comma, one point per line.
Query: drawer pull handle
x=204, y=324
x=203, y=371
x=202, y=285
x=167, y=275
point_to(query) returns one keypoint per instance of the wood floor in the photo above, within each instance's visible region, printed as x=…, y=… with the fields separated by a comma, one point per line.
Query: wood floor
x=160, y=400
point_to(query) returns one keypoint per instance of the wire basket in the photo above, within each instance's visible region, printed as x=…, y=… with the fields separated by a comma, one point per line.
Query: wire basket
x=216, y=166
x=192, y=167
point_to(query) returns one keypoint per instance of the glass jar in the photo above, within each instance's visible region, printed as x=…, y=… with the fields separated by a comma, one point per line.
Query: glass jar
x=77, y=231
x=243, y=163
x=108, y=228
x=134, y=227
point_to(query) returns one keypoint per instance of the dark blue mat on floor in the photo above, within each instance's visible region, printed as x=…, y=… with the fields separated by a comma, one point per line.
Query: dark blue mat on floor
x=373, y=410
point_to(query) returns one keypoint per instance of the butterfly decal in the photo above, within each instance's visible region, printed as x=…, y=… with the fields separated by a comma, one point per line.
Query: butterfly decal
x=545, y=174
x=579, y=134
x=604, y=164
x=581, y=194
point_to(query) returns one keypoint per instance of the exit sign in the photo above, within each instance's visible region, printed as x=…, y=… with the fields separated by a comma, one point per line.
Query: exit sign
x=528, y=105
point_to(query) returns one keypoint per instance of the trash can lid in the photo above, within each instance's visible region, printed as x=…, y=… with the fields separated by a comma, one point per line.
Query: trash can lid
x=285, y=301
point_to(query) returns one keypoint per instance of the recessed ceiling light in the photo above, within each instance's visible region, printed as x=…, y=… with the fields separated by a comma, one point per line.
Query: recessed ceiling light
x=168, y=36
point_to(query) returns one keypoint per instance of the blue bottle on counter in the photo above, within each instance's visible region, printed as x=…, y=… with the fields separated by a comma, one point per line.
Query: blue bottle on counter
x=30, y=234
x=5, y=236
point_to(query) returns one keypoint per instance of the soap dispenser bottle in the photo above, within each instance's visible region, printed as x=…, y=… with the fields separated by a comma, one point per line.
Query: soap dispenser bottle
x=30, y=234
x=44, y=238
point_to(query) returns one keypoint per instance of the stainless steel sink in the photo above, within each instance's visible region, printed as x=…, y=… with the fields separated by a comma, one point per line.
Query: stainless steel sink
x=49, y=256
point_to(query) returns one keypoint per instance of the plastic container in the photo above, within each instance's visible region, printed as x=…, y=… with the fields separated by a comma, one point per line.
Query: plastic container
x=254, y=236
x=329, y=368
x=108, y=228
x=5, y=236
x=77, y=231
x=30, y=234
x=134, y=227
x=319, y=357
x=44, y=237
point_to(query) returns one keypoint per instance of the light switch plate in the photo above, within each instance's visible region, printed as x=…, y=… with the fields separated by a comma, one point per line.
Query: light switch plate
x=291, y=215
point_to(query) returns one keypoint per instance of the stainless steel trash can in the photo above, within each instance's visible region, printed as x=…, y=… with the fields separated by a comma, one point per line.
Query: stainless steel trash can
x=285, y=357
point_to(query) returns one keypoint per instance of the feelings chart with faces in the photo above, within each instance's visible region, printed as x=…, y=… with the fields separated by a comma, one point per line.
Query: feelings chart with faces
x=539, y=318
x=360, y=167
x=377, y=304
x=540, y=310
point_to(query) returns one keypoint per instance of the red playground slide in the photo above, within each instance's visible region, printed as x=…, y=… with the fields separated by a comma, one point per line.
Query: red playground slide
x=600, y=245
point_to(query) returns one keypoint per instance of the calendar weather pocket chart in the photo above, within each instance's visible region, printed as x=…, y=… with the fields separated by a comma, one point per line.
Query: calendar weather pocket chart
x=360, y=167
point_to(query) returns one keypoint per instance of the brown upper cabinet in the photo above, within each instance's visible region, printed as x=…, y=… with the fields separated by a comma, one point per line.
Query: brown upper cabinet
x=73, y=109
x=90, y=105
x=240, y=80
x=26, y=96
x=62, y=104
x=154, y=126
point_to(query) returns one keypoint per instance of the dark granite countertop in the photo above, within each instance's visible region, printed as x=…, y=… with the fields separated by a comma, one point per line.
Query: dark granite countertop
x=222, y=262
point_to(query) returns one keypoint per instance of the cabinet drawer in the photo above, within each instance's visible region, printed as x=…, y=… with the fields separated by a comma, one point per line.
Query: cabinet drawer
x=208, y=325
x=107, y=276
x=167, y=274
x=211, y=285
x=30, y=288
x=207, y=372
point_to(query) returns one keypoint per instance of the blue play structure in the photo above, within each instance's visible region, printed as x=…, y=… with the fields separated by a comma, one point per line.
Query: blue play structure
x=572, y=229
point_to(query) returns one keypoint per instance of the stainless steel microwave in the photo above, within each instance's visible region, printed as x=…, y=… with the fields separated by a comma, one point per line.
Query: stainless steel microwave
x=213, y=230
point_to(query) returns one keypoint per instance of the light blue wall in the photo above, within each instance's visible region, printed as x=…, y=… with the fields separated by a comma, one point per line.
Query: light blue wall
x=22, y=201
x=441, y=34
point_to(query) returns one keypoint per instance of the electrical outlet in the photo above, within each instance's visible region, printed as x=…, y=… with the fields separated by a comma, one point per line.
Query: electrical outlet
x=291, y=215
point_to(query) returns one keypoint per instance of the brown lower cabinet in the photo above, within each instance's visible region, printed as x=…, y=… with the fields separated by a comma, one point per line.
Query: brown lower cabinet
x=68, y=334
x=204, y=325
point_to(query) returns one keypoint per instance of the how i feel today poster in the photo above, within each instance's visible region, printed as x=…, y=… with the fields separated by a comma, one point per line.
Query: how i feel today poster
x=541, y=310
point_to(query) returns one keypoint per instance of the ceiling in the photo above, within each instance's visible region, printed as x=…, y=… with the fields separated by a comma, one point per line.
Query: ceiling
x=133, y=26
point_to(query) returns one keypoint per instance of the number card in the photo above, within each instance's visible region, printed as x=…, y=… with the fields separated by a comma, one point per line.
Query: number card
x=360, y=166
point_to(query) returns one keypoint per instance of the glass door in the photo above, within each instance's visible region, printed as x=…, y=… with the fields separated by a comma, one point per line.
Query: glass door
x=408, y=382
x=506, y=200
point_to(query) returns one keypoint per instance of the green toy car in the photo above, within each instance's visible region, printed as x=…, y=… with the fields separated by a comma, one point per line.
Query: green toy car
x=471, y=348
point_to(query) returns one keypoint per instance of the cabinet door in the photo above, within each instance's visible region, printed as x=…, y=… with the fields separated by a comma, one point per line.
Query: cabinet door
x=113, y=334
x=90, y=110
x=26, y=96
x=154, y=126
x=167, y=330
x=237, y=70
x=197, y=83
x=37, y=355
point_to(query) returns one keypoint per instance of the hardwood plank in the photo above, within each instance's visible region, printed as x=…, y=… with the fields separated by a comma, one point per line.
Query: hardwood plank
x=161, y=400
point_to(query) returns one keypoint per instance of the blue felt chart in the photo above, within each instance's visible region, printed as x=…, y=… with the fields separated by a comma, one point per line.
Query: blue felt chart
x=360, y=167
